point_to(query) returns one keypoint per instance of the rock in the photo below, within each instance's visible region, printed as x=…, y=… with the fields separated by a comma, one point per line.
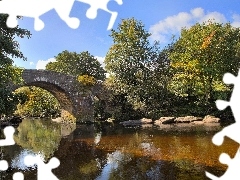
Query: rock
x=146, y=121
x=211, y=124
x=136, y=122
x=58, y=120
x=67, y=129
x=211, y=119
x=165, y=120
x=187, y=119
x=197, y=122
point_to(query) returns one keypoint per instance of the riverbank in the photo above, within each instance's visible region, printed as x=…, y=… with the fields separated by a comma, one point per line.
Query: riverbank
x=163, y=122
x=190, y=120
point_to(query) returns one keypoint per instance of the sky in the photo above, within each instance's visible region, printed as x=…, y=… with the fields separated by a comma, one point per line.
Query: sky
x=162, y=18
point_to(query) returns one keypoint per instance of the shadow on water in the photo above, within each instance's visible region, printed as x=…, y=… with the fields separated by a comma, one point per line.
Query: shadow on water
x=112, y=152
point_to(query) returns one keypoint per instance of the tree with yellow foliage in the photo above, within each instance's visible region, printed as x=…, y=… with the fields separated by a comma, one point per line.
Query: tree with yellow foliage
x=86, y=80
x=201, y=56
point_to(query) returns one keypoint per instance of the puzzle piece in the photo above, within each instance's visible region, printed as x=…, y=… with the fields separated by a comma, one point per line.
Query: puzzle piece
x=232, y=172
x=100, y=4
x=44, y=170
x=18, y=176
x=232, y=130
x=3, y=165
x=235, y=98
x=36, y=8
x=8, y=132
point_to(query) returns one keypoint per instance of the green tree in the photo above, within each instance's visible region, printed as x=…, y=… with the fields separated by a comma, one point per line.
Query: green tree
x=77, y=64
x=38, y=103
x=200, y=57
x=137, y=68
x=8, y=72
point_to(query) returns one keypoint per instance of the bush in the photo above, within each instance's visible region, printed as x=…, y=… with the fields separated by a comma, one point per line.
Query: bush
x=87, y=80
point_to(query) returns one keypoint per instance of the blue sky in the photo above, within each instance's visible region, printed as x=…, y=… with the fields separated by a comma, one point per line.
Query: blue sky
x=161, y=17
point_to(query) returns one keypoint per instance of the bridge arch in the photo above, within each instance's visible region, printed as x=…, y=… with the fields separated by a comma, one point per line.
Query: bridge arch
x=65, y=88
x=59, y=93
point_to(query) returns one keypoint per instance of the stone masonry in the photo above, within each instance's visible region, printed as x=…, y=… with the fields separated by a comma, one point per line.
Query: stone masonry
x=68, y=91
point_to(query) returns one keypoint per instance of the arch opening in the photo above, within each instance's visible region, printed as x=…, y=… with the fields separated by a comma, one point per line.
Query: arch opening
x=51, y=97
x=62, y=97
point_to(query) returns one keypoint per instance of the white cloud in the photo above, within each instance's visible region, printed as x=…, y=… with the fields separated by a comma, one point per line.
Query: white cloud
x=101, y=60
x=31, y=63
x=197, y=12
x=236, y=20
x=41, y=64
x=172, y=25
x=216, y=16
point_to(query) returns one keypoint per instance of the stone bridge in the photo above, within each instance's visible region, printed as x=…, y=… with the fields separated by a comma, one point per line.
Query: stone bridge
x=70, y=93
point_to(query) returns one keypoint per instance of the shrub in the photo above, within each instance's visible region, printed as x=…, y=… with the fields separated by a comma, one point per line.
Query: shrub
x=86, y=80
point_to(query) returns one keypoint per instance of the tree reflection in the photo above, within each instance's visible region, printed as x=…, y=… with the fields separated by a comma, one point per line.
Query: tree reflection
x=91, y=167
x=39, y=136
x=136, y=168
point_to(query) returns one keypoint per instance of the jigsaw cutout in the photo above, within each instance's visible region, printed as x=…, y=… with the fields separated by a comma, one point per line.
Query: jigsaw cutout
x=18, y=176
x=100, y=4
x=232, y=172
x=231, y=131
x=3, y=165
x=34, y=9
x=8, y=132
x=44, y=170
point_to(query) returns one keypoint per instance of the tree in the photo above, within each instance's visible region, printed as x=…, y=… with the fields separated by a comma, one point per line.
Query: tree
x=86, y=80
x=77, y=64
x=135, y=65
x=37, y=103
x=200, y=57
x=8, y=72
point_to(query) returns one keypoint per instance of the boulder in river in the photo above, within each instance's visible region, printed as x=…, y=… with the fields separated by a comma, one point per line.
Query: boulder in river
x=187, y=119
x=136, y=122
x=165, y=120
x=211, y=119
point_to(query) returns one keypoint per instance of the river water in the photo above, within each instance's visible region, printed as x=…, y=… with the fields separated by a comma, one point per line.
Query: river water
x=111, y=151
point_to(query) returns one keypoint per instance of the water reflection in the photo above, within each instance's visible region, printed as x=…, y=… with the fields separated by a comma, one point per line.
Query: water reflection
x=97, y=137
x=113, y=152
x=151, y=153
x=113, y=161
x=18, y=161
x=38, y=136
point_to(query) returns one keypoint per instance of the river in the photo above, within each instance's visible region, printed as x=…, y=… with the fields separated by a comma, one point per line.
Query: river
x=111, y=151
